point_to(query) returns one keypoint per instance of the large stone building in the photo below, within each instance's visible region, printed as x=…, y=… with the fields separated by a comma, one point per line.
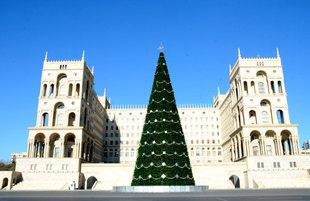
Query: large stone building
x=245, y=140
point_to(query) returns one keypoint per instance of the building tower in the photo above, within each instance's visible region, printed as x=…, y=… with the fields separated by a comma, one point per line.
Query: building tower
x=255, y=117
x=69, y=117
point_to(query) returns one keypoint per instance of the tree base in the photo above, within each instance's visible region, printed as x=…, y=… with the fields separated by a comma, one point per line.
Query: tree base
x=159, y=189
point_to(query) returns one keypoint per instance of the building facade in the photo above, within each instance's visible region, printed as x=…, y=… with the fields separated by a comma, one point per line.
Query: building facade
x=245, y=140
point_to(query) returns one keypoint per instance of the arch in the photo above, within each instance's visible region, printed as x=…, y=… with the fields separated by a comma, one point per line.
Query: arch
x=5, y=183
x=255, y=142
x=286, y=142
x=54, y=145
x=91, y=181
x=245, y=86
x=261, y=74
x=273, y=87
x=270, y=142
x=266, y=117
x=44, y=93
x=69, y=146
x=39, y=145
x=62, y=84
x=262, y=82
x=70, y=89
x=280, y=87
x=51, y=90
x=45, y=119
x=253, y=91
x=280, y=117
x=77, y=89
x=253, y=118
x=235, y=181
x=58, y=119
x=71, y=119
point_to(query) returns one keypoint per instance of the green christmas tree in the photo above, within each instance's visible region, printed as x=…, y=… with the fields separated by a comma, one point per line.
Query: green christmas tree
x=162, y=155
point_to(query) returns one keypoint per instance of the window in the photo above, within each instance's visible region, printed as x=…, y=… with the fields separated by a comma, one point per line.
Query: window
x=268, y=150
x=276, y=164
x=45, y=120
x=263, y=103
x=272, y=87
x=260, y=164
x=293, y=164
x=57, y=149
x=261, y=88
x=280, y=117
x=280, y=87
x=60, y=119
x=265, y=117
x=255, y=150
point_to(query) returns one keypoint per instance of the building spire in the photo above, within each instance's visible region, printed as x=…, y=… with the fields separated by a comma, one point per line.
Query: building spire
x=45, y=56
x=278, y=54
x=105, y=93
x=229, y=68
x=239, y=54
x=218, y=90
x=83, y=56
x=92, y=70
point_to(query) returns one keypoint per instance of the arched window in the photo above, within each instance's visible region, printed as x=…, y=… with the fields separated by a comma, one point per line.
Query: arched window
x=86, y=90
x=261, y=88
x=253, y=119
x=280, y=117
x=51, y=90
x=253, y=87
x=45, y=119
x=62, y=85
x=77, y=90
x=265, y=117
x=272, y=87
x=263, y=103
x=245, y=86
x=70, y=90
x=71, y=121
x=280, y=87
x=60, y=119
x=44, y=90
x=254, y=137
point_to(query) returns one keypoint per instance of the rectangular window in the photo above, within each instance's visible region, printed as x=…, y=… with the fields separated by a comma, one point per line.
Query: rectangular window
x=268, y=149
x=258, y=164
x=255, y=150
x=278, y=164
x=291, y=164
x=57, y=150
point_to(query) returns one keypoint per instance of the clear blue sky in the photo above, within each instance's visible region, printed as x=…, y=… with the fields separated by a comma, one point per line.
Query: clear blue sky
x=120, y=39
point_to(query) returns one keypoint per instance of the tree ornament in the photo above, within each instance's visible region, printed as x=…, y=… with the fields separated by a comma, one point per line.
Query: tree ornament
x=163, y=176
x=164, y=141
x=163, y=164
x=164, y=152
x=151, y=164
x=177, y=176
x=176, y=164
x=154, y=142
x=150, y=176
x=153, y=152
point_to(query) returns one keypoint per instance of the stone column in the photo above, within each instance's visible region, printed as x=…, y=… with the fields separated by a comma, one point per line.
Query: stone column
x=245, y=150
x=62, y=148
x=239, y=144
x=46, y=148
x=232, y=149
x=263, y=146
x=275, y=144
x=236, y=148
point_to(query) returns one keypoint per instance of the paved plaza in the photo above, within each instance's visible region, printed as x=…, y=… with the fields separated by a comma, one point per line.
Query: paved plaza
x=212, y=195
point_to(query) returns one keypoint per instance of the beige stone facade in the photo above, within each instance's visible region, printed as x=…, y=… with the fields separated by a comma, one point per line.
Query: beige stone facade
x=246, y=140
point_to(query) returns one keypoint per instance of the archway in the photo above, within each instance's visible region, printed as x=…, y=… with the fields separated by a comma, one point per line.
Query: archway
x=255, y=143
x=235, y=181
x=55, y=144
x=91, y=181
x=70, y=145
x=5, y=183
x=39, y=145
x=286, y=142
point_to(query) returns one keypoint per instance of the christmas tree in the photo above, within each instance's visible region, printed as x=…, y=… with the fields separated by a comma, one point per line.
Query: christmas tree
x=162, y=155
